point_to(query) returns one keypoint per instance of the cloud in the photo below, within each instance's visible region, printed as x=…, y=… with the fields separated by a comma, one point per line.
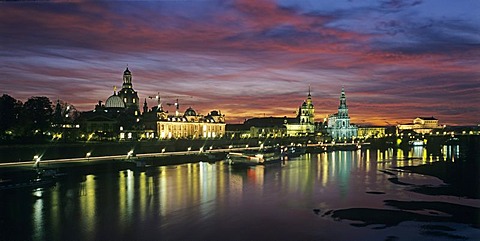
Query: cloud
x=249, y=58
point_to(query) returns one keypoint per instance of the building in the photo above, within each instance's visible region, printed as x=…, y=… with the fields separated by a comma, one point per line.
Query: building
x=118, y=117
x=268, y=127
x=128, y=95
x=188, y=125
x=305, y=123
x=371, y=131
x=421, y=125
x=338, y=124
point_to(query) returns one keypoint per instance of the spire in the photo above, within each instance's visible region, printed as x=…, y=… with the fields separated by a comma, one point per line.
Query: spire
x=309, y=97
x=114, y=90
x=145, y=106
x=343, y=100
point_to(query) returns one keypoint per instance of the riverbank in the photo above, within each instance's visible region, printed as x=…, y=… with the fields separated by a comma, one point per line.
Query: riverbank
x=460, y=178
x=60, y=150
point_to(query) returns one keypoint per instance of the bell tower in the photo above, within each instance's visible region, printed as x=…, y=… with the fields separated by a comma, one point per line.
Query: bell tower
x=307, y=110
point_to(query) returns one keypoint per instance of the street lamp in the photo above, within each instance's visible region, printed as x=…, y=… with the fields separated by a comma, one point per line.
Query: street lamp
x=36, y=158
x=88, y=155
x=129, y=154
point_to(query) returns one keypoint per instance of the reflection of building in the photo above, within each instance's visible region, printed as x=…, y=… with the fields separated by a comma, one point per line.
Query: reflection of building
x=421, y=125
x=305, y=124
x=339, y=126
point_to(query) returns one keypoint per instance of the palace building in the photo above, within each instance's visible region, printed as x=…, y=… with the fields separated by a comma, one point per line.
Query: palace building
x=422, y=125
x=190, y=125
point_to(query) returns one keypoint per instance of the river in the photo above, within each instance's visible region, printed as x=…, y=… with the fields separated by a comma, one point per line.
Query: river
x=294, y=200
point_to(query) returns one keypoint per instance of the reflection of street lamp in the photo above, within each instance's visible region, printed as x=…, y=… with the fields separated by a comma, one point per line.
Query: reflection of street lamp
x=189, y=148
x=163, y=150
x=211, y=147
x=88, y=155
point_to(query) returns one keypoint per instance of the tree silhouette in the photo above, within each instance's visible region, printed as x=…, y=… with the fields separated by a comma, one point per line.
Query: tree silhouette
x=36, y=115
x=9, y=114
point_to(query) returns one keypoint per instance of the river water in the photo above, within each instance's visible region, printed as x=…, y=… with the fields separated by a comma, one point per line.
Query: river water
x=213, y=201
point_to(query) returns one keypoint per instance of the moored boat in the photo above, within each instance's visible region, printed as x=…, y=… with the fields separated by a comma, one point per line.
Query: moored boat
x=261, y=157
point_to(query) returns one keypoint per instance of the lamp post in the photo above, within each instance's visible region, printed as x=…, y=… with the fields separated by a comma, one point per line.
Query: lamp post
x=88, y=155
x=36, y=159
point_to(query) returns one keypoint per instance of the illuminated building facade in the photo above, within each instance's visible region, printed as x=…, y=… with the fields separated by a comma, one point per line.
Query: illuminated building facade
x=371, y=131
x=338, y=125
x=190, y=125
x=422, y=125
x=306, y=119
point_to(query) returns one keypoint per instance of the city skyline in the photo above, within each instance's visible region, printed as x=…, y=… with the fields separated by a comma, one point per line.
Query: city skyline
x=396, y=59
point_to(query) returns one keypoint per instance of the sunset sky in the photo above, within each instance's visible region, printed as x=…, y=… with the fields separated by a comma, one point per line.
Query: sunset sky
x=252, y=58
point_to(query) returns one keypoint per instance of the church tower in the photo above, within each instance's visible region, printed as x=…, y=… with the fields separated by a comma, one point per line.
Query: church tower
x=339, y=126
x=343, y=120
x=128, y=94
x=307, y=110
x=342, y=108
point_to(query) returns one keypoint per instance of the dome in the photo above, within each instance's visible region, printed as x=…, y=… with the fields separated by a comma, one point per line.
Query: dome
x=190, y=112
x=215, y=113
x=114, y=101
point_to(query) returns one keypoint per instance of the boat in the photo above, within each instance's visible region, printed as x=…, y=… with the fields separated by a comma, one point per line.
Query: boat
x=295, y=151
x=44, y=178
x=260, y=157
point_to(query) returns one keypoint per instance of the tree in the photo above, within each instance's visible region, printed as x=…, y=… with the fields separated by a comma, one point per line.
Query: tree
x=64, y=113
x=9, y=113
x=37, y=114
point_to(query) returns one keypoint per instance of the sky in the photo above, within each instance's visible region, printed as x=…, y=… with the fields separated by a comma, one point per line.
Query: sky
x=396, y=59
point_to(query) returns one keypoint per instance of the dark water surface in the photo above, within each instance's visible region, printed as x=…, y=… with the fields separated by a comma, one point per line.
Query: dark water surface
x=343, y=195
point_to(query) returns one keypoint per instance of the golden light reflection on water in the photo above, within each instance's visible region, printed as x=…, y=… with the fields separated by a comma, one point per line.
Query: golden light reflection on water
x=200, y=190
x=38, y=217
x=88, y=205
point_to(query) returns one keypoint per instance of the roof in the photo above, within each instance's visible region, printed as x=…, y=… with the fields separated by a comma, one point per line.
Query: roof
x=268, y=121
x=114, y=101
x=428, y=118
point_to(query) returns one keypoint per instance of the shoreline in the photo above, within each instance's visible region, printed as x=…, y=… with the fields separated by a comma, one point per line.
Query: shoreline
x=460, y=178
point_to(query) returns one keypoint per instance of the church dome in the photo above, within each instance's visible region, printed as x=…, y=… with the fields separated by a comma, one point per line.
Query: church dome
x=114, y=101
x=190, y=112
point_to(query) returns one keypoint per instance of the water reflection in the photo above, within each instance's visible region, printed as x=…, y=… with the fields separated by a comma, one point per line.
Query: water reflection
x=212, y=201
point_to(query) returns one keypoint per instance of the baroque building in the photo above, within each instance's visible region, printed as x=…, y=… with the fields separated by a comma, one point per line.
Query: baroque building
x=338, y=124
x=189, y=125
x=128, y=95
x=422, y=125
x=305, y=124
